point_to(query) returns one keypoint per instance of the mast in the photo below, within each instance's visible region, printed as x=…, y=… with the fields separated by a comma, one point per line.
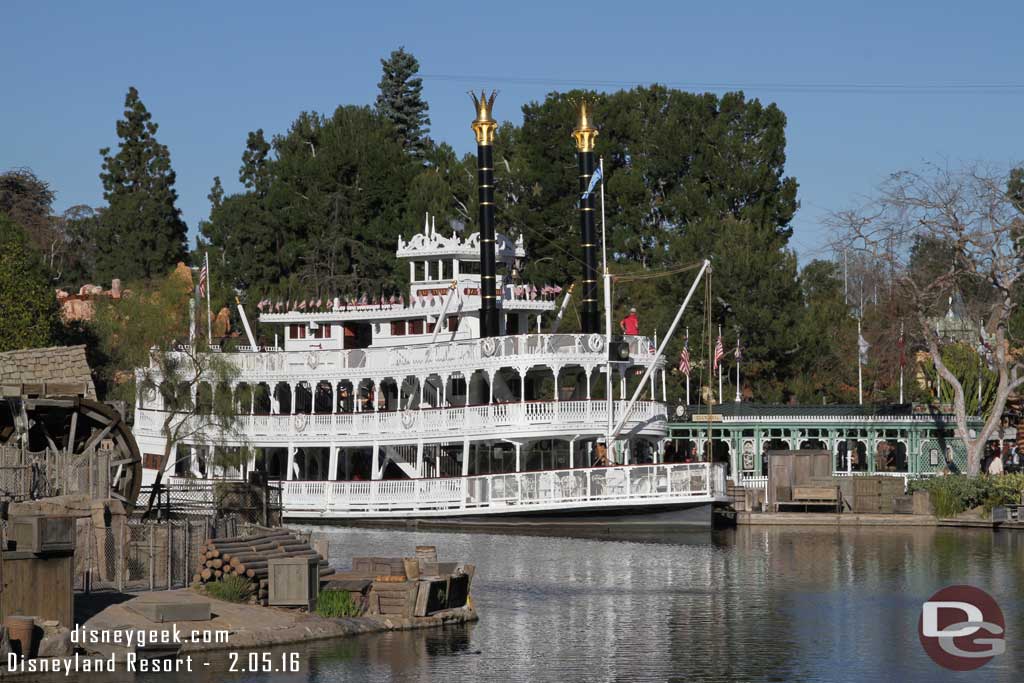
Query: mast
x=607, y=316
x=484, y=127
x=586, y=137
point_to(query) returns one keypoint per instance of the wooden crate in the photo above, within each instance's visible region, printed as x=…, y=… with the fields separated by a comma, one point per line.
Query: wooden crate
x=35, y=586
x=393, y=598
x=903, y=505
x=923, y=503
x=43, y=534
x=293, y=581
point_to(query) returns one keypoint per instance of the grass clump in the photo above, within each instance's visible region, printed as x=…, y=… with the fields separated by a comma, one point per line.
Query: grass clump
x=336, y=603
x=232, y=588
x=951, y=495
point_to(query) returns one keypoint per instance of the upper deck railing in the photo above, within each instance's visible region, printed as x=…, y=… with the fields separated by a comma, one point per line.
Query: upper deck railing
x=510, y=350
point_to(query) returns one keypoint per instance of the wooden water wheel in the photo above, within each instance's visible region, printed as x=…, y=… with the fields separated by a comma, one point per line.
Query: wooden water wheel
x=77, y=445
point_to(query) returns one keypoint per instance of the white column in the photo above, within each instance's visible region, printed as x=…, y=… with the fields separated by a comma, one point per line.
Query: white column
x=519, y=459
x=291, y=463
x=556, y=369
x=465, y=457
x=419, y=457
x=653, y=395
x=490, y=386
x=664, y=388
x=375, y=468
x=332, y=464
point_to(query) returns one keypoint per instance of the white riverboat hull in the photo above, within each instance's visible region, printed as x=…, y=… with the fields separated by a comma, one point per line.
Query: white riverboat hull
x=657, y=495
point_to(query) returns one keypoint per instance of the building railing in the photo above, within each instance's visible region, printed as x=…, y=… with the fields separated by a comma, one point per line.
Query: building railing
x=518, y=491
x=453, y=422
x=761, y=482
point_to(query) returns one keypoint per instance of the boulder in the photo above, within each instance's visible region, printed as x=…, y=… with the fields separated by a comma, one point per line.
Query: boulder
x=56, y=641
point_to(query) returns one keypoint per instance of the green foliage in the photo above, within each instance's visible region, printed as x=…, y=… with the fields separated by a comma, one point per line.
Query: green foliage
x=154, y=315
x=401, y=101
x=230, y=588
x=953, y=494
x=966, y=365
x=141, y=233
x=324, y=215
x=337, y=603
x=28, y=308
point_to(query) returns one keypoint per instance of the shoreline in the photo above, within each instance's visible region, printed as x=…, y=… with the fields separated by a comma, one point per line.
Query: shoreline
x=866, y=520
x=253, y=626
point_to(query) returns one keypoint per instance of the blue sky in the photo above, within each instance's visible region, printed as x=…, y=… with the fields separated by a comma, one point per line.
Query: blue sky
x=210, y=72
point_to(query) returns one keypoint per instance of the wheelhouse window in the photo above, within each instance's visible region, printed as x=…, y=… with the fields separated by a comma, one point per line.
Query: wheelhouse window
x=322, y=332
x=397, y=328
x=297, y=331
x=416, y=326
x=469, y=267
x=453, y=323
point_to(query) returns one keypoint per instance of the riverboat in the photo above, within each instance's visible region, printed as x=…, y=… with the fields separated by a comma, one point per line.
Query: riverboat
x=461, y=404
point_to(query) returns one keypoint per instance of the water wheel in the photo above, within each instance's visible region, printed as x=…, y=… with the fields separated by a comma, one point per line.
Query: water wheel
x=79, y=445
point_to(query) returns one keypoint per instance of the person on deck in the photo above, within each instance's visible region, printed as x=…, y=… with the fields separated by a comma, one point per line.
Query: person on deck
x=995, y=465
x=600, y=454
x=630, y=325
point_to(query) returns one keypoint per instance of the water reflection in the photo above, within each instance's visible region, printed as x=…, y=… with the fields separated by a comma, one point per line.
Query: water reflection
x=750, y=604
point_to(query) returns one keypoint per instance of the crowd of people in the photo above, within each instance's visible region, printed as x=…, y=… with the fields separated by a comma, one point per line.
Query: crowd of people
x=1002, y=459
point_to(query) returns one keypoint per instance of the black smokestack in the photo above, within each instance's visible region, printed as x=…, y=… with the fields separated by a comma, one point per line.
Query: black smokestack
x=484, y=127
x=586, y=137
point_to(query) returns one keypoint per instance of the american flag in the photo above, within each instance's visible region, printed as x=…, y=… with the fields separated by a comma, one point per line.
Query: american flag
x=204, y=275
x=719, y=353
x=738, y=353
x=684, y=360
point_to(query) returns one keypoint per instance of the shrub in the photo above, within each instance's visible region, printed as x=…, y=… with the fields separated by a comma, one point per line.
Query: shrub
x=954, y=494
x=336, y=603
x=231, y=588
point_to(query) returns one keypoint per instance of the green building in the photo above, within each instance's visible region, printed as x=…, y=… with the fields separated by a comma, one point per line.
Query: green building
x=901, y=440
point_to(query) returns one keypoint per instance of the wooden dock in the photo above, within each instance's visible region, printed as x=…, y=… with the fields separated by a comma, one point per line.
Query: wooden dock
x=853, y=519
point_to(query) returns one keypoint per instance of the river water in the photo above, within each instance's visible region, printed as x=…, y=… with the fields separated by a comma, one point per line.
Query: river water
x=775, y=604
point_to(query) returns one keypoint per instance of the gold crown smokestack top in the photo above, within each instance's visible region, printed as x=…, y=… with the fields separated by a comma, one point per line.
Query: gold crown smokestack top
x=484, y=127
x=586, y=137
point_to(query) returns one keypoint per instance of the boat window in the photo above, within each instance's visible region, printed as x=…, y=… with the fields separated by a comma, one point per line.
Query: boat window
x=453, y=323
x=416, y=326
x=297, y=331
x=446, y=270
x=322, y=332
x=419, y=270
x=397, y=328
x=469, y=267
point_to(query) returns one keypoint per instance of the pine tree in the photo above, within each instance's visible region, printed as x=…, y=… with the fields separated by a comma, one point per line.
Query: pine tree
x=141, y=232
x=401, y=101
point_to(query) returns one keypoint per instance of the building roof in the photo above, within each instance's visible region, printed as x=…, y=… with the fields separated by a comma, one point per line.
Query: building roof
x=53, y=365
x=745, y=409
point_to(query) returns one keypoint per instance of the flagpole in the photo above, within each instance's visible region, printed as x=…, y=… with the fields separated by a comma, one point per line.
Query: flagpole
x=209, y=317
x=687, y=347
x=737, y=399
x=902, y=360
x=719, y=370
x=607, y=319
x=860, y=371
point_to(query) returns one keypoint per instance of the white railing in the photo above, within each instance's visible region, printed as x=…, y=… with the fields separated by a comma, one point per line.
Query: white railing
x=470, y=420
x=760, y=482
x=597, y=486
x=574, y=346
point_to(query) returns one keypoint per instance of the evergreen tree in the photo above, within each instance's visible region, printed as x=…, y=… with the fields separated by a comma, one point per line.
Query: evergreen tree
x=141, y=233
x=28, y=308
x=401, y=101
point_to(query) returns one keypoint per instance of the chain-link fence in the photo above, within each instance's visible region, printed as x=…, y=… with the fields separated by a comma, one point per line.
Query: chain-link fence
x=160, y=550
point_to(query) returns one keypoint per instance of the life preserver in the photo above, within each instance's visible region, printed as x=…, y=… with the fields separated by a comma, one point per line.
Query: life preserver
x=488, y=346
x=596, y=342
x=312, y=361
x=300, y=421
x=408, y=418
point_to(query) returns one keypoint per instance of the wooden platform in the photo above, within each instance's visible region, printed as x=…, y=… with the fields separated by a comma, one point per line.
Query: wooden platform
x=853, y=519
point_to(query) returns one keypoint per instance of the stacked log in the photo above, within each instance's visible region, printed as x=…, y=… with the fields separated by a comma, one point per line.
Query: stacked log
x=249, y=556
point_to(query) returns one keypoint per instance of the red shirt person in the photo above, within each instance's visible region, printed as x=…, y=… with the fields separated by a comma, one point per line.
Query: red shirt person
x=630, y=324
